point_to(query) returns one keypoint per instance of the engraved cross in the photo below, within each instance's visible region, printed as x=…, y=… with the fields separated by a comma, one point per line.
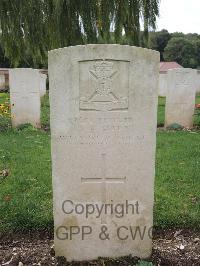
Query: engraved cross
x=104, y=180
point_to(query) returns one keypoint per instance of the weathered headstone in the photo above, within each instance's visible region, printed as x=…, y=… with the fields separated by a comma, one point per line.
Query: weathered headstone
x=43, y=88
x=2, y=82
x=198, y=81
x=25, y=96
x=180, y=99
x=103, y=123
x=162, y=84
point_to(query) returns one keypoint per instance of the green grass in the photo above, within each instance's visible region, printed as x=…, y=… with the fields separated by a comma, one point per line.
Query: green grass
x=26, y=193
x=197, y=113
x=45, y=113
x=177, y=186
x=3, y=97
x=161, y=111
x=5, y=120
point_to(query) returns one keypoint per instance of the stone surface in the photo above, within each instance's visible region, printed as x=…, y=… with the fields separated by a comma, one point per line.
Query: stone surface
x=180, y=100
x=43, y=88
x=25, y=96
x=2, y=82
x=103, y=102
x=162, y=84
x=198, y=81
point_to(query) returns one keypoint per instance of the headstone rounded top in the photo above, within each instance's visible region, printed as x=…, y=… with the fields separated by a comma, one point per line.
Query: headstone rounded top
x=23, y=70
x=104, y=46
x=180, y=70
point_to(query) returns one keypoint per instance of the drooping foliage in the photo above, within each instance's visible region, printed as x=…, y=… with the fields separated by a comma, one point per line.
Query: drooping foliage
x=158, y=41
x=29, y=28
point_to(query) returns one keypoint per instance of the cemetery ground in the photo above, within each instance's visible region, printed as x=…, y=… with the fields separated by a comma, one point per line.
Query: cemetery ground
x=26, y=218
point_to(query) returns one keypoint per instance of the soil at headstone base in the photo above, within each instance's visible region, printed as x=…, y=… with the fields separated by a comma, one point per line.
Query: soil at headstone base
x=170, y=247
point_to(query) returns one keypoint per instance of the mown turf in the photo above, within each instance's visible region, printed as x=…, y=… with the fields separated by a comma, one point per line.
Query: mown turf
x=161, y=112
x=45, y=114
x=177, y=186
x=26, y=193
x=5, y=119
x=197, y=113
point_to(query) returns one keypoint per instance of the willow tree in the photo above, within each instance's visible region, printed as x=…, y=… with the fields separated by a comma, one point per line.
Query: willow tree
x=29, y=28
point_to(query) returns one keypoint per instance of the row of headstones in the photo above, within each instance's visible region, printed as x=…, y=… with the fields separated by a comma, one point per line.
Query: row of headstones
x=27, y=87
x=180, y=87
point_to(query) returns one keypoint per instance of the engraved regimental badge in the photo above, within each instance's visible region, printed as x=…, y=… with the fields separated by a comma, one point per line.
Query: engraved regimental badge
x=104, y=97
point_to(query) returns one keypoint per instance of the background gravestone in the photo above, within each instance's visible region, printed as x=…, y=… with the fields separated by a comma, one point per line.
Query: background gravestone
x=2, y=82
x=162, y=84
x=43, y=87
x=198, y=81
x=103, y=102
x=180, y=99
x=25, y=96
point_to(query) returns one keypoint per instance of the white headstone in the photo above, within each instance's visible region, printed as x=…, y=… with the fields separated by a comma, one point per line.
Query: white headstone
x=2, y=82
x=103, y=123
x=43, y=88
x=162, y=84
x=180, y=100
x=25, y=96
x=198, y=81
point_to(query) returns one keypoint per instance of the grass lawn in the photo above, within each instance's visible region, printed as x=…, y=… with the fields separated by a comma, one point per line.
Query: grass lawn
x=177, y=184
x=26, y=193
x=5, y=122
x=161, y=112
